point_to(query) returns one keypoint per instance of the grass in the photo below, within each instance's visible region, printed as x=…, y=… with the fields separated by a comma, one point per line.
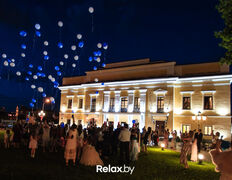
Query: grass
x=156, y=165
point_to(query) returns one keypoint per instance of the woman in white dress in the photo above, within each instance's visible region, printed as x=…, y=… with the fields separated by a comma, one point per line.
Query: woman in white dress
x=194, y=151
x=134, y=146
x=90, y=156
x=71, y=146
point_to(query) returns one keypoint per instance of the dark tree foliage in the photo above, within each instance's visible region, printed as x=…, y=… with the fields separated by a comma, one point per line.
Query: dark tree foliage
x=225, y=9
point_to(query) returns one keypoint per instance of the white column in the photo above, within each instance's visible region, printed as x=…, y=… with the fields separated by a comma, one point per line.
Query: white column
x=142, y=121
x=131, y=100
x=106, y=101
x=105, y=118
x=130, y=118
x=143, y=100
x=116, y=120
x=117, y=101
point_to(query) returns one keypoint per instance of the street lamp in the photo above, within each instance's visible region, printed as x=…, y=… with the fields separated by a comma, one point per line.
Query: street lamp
x=198, y=117
x=47, y=100
x=41, y=114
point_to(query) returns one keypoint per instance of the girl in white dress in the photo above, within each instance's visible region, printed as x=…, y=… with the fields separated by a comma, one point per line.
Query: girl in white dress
x=33, y=144
x=90, y=156
x=71, y=146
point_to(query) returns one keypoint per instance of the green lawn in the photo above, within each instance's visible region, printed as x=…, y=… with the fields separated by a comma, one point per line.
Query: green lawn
x=157, y=164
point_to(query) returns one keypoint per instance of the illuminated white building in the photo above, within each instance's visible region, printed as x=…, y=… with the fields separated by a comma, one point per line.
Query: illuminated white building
x=160, y=94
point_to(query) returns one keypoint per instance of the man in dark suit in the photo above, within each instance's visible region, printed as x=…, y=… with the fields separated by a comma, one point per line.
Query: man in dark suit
x=199, y=137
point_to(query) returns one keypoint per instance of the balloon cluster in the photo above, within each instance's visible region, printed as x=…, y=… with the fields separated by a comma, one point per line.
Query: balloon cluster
x=35, y=75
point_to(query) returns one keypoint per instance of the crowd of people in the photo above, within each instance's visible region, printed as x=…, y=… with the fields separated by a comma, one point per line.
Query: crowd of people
x=90, y=145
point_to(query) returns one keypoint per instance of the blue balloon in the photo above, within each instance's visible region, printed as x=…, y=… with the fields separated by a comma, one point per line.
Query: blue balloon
x=97, y=92
x=95, y=53
x=62, y=125
x=57, y=68
x=133, y=121
x=103, y=65
x=53, y=102
x=31, y=105
x=38, y=74
x=59, y=73
x=102, y=83
x=26, y=78
x=29, y=73
x=90, y=59
x=105, y=44
x=55, y=86
x=38, y=33
x=33, y=100
x=23, y=33
x=44, y=95
x=81, y=44
x=94, y=68
x=95, y=58
x=60, y=45
x=40, y=68
x=30, y=66
x=43, y=75
x=23, y=46
x=9, y=61
x=46, y=57
x=99, y=53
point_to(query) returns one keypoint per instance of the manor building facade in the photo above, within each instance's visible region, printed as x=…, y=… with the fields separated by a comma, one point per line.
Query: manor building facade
x=156, y=94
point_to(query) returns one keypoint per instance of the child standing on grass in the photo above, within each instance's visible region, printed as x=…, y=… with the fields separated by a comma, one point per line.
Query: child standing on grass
x=33, y=144
x=7, y=139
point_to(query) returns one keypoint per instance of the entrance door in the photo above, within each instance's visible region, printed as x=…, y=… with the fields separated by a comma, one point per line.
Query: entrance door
x=160, y=126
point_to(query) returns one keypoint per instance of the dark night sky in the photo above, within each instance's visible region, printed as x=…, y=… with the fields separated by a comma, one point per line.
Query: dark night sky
x=181, y=31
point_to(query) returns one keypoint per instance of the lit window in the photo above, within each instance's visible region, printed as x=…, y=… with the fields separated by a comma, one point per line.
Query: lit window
x=124, y=104
x=137, y=104
x=93, y=104
x=111, y=105
x=80, y=103
x=69, y=103
x=185, y=128
x=208, y=102
x=160, y=104
x=186, y=103
x=208, y=130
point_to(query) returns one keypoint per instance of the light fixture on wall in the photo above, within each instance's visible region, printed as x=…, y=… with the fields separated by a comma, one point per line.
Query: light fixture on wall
x=199, y=117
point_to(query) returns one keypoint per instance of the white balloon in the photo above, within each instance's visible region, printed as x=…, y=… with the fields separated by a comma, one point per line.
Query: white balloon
x=66, y=56
x=53, y=79
x=6, y=63
x=37, y=26
x=60, y=24
x=33, y=86
x=12, y=64
x=4, y=56
x=79, y=36
x=40, y=89
x=18, y=73
x=50, y=77
x=61, y=63
x=91, y=10
x=45, y=53
x=73, y=65
x=99, y=45
x=105, y=47
x=98, y=59
x=73, y=47
x=23, y=54
x=76, y=58
x=96, y=79
x=46, y=43
x=13, y=60
x=35, y=77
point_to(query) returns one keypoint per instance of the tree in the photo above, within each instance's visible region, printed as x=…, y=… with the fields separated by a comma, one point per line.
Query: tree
x=225, y=9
